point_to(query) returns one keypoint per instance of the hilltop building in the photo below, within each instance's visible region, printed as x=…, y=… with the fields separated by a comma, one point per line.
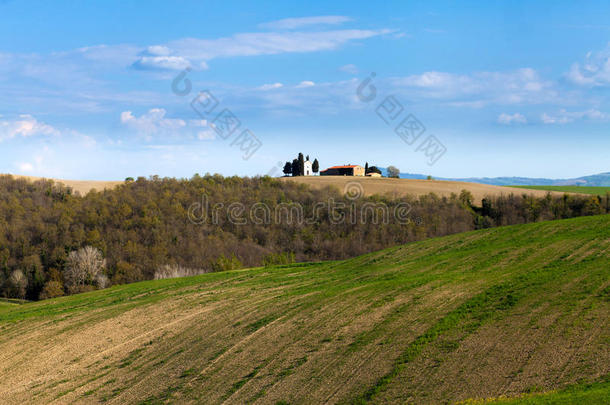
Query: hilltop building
x=346, y=170
x=307, y=168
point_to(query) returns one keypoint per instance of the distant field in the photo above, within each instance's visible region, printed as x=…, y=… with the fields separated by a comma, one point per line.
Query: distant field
x=372, y=186
x=82, y=186
x=570, y=189
x=384, y=185
x=498, y=312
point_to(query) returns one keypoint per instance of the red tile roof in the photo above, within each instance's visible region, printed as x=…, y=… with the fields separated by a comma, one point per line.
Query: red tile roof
x=342, y=167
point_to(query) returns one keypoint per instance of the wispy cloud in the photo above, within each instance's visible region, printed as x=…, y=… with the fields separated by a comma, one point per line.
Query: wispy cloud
x=271, y=86
x=162, y=63
x=480, y=88
x=349, y=68
x=508, y=119
x=152, y=122
x=304, y=84
x=594, y=71
x=565, y=117
x=156, y=123
x=267, y=43
x=24, y=126
x=292, y=23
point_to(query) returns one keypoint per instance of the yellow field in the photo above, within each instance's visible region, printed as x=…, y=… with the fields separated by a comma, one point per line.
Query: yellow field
x=371, y=185
x=82, y=186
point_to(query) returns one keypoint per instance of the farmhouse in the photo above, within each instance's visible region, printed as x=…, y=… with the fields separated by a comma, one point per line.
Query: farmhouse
x=346, y=170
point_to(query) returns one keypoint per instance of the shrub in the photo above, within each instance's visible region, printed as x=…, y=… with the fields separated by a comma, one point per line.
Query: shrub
x=227, y=263
x=52, y=289
x=275, y=259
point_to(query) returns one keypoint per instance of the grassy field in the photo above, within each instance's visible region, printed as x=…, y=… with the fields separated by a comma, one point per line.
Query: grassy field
x=517, y=312
x=596, y=393
x=82, y=186
x=371, y=185
x=571, y=189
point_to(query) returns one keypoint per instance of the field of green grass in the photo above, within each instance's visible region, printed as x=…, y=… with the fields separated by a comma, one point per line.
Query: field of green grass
x=571, y=189
x=518, y=312
x=597, y=393
x=6, y=304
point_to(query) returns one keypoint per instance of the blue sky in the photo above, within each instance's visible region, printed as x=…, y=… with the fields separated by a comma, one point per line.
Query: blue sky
x=506, y=88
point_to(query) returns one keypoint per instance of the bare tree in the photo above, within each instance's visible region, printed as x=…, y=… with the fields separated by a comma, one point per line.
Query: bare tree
x=19, y=284
x=175, y=270
x=101, y=280
x=393, y=171
x=83, y=267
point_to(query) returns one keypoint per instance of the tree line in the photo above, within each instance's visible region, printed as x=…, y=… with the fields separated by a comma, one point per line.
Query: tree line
x=297, y=166
x=55, y=242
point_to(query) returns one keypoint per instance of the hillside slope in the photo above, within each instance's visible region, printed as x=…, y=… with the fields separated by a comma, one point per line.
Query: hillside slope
x=416, y=187
x=82, y=186
x=482, y=314
x=595, y=180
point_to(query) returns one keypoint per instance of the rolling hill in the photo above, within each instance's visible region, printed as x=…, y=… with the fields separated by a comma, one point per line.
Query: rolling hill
x=510, y=311
x=403, y=186
x=595, y=180
x=82, y=186
x=385, y=185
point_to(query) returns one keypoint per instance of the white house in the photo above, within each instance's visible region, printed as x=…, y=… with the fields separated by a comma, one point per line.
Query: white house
x=307, y=169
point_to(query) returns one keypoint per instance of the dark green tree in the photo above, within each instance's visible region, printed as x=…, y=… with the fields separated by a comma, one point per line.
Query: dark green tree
x=287, y=169
x=374, y=169
x=366, y=168
x=301, y=168
x=315, y=166
x=295, y=167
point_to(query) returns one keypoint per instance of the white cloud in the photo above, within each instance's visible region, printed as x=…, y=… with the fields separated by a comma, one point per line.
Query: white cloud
x=152, y=122
x=595, y=71
x=25, y=126
x=155, y=123
x=25, y=167
x=292, y=23
x=565, y=117
x=188, y=52
x=267, y=43
x=350, y=68
x=304, y=84
x=198, y=123
x=508, y=119
x=480, y=88
x=163, y=63
x=271, y=86
x=158, y=50
x=206, y=135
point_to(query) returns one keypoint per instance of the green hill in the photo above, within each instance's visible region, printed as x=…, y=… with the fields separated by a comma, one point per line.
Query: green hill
x=504, y=312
